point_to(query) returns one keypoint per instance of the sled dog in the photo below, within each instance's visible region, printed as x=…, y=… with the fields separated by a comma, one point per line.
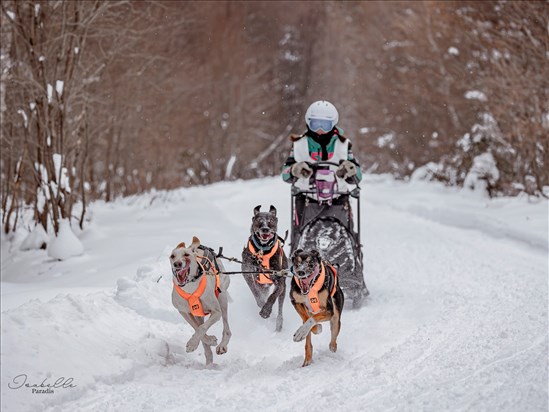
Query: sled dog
x=316, y=296
x=200, y=290
x=264, y=250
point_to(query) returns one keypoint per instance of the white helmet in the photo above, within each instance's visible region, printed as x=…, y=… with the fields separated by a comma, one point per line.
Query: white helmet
x=321, y=115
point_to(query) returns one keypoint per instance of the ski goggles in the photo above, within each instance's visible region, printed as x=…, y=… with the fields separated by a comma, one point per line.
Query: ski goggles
x=321, y=124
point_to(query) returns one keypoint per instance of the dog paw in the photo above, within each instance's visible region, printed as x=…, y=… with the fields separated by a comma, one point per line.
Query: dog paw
x=307, y=362
x=192, y=344
x=221, y=349
x=209, y=340
x=265, y=312
x=333, y=346
x=301, y=333
x=317, y=329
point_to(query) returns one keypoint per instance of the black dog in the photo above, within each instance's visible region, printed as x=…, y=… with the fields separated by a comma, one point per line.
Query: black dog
x=264, y=251
x=317, y=297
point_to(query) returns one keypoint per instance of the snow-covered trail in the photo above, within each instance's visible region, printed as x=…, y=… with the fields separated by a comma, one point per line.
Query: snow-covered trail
x=457, y=319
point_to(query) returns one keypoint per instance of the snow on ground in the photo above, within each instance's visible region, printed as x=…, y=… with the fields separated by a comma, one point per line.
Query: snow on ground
x=457, y=318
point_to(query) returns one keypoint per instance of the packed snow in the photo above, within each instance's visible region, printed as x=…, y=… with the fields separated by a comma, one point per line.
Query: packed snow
x=456, y=320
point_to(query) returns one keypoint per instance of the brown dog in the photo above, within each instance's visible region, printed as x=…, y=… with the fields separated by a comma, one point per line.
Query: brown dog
x=317, y=297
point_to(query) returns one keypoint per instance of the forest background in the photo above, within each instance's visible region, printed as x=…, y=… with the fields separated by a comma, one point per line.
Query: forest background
x=103, y=99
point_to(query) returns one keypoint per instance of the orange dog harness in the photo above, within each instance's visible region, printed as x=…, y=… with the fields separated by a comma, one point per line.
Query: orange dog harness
x=314, y=302
x=264, y=278
x=193, y=299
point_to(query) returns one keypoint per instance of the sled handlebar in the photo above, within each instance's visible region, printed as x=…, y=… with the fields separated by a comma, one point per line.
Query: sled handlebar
x=353, y=193
x=315, y=166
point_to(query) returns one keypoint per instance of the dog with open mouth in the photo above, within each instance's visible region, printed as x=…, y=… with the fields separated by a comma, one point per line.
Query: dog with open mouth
x=199, y=290
x=316, y=297
x=265, y=251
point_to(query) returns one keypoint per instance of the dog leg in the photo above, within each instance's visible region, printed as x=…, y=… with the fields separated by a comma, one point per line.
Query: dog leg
x=304, y=329
x=313, y=321
x=280, y=306
x=222, y=347
x=252, y=284
x=335, y=327
x=206, y=344
x=267, y=308
x=207, y=340
x=208, y=353
x=305, y=315
x=302, y=311
x=195, y=323
x=308, y=351
x=193, y=342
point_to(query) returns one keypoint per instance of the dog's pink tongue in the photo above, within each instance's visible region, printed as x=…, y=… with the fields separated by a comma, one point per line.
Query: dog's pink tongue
x=306, y=283
x=182, y=274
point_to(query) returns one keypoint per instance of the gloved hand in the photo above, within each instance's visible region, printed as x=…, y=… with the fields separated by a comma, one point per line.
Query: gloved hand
x=301, y=170
x=346, y=170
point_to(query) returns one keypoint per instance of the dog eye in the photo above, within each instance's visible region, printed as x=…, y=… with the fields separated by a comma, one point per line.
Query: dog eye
x=172, y=257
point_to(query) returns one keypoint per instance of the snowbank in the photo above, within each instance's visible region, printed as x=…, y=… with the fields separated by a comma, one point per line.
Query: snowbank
x=36, y=239
x=522, y=218
x=92, y=339
x=65, y=244
x=483, y=173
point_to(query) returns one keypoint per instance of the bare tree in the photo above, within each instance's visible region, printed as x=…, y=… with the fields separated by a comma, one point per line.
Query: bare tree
x=511, y=42
x=101, y=99
x=61, y=52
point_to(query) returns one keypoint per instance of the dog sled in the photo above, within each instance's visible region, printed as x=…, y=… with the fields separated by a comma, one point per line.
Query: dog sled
x=322, y=219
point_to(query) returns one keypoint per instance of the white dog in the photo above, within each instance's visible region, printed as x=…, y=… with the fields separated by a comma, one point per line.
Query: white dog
x=200, y=290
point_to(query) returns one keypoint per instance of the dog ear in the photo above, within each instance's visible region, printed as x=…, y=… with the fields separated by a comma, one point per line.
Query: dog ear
x=196, y=243
x=272, y=210
x=256, y=209
x=182, y=244
x=296, y=252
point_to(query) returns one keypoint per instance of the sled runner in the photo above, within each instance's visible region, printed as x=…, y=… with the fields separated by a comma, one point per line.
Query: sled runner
x=322, y=219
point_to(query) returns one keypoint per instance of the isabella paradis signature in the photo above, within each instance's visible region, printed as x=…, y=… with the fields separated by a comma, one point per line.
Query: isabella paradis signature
x=47, y=385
